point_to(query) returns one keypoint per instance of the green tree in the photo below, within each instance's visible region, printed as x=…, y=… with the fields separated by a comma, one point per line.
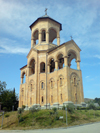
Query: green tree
x=8, y=98
x=97, y=100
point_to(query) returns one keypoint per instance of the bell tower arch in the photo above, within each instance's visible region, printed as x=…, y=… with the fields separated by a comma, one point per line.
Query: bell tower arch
x=43, y=32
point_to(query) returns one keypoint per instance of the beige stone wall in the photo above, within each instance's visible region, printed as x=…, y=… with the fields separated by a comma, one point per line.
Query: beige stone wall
x=60, y=86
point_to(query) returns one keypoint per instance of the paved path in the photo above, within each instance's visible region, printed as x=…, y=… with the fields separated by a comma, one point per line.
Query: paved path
x=89, y=128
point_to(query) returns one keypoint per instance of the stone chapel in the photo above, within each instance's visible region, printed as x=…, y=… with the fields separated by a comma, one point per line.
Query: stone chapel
x=48, y=80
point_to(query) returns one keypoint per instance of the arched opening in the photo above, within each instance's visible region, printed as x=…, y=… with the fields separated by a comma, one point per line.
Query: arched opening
x=42, y=67
x=35, y=37
x=52, y=65
x=60, y=61
x=23, y=78
x=43, y=35
x=32, y=67
x=52, y=35
x=72, y=60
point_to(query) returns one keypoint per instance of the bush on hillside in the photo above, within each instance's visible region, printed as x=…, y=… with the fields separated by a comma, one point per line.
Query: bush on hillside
x=70, y=108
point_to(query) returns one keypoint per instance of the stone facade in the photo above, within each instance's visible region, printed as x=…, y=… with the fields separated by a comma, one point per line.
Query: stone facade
x=47, y=80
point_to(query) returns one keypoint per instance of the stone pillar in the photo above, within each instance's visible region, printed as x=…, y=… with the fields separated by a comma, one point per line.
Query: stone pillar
x=40, y=37
x=66, y=61
x=78, y=64
x=33, y=42
x=48, y=68
x=47, y=37
x=21, y=79
x=56, y=65
x=58, y=39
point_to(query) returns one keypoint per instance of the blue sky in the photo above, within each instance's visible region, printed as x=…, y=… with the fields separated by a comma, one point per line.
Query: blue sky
x=79, y=18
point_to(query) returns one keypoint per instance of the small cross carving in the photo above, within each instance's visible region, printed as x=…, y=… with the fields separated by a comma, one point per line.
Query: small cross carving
x=46, y=11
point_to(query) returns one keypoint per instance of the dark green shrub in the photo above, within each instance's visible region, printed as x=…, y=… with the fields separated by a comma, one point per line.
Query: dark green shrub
x=21, y=119
x=55, y=109
x=70, y=108
x=83, y=108
x=20, y=110
x=92, y=106
x=23, y=107
x=78, y=108
x=7, y=115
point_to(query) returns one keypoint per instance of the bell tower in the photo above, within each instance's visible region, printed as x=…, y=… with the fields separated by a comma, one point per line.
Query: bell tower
x=43, y=32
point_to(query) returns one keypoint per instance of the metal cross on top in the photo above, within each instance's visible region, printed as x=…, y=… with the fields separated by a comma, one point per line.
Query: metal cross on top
x=46, y=11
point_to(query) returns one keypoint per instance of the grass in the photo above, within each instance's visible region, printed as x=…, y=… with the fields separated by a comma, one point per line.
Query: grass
x=48, y=119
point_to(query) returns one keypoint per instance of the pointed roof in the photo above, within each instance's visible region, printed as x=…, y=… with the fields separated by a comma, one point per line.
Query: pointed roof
x=45, y=17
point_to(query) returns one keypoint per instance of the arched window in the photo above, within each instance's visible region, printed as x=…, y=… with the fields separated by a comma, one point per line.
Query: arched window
x=42, y=85
x=60, y=61
x=60, y=81
x=43, y=35
x=42, y=99
x=32, y=67
x=51, y=84
x=42, y=67
x=52, y=65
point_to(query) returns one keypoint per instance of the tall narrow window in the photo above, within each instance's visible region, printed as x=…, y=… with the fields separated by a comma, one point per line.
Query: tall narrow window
x=74, y=81
x=60, y=81
x=42, y=67
x=43, y=35
x=42, y=99
x=52, y=65
x=42, y=85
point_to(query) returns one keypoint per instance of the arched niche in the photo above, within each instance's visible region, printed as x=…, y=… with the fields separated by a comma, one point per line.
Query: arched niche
x=43, y=35
x=35, y=36
x=52, y=65
x=60, y=61
x=23, y=78
x=42, y=67
x=32, y=67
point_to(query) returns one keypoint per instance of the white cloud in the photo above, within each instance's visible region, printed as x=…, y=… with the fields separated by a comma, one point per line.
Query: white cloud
x=87, y=77
x=97, y=56
x=77, y=18
x=11, y=46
